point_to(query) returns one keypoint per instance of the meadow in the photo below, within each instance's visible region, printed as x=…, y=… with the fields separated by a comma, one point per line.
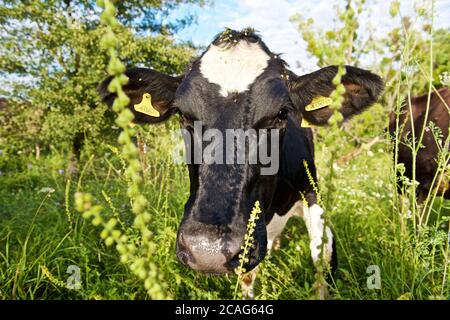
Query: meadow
x=49, y=250
x=40, y=230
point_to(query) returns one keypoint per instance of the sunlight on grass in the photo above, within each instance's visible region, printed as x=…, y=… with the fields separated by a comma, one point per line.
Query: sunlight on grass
x=375, y=222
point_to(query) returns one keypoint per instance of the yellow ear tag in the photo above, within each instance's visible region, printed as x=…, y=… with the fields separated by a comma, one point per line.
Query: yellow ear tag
x=306, y=124
x=146, y=107
x=318, y=103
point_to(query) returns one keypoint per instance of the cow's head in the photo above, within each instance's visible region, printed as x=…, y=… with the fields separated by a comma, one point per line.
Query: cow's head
x=237, y=83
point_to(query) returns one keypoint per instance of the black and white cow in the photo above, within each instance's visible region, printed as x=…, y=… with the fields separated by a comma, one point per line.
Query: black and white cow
x=238, y=83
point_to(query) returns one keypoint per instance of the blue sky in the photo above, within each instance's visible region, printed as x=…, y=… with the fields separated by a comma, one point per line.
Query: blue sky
x=271, y=19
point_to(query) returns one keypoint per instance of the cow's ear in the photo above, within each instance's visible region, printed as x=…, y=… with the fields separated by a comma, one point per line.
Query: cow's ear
x=309, y=93
x=151, y=94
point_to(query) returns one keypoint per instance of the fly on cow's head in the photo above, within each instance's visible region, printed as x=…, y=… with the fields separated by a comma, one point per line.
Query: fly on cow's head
x=237, y=99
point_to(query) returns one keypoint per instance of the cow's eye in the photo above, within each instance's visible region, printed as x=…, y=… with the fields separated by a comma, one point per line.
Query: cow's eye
x=283, y=114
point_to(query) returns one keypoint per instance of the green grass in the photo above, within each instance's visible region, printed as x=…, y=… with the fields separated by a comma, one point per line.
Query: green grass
x=40, y=229
x=43, y=229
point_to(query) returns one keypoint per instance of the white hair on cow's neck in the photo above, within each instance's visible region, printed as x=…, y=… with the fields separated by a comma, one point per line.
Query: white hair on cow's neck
x=234, y=68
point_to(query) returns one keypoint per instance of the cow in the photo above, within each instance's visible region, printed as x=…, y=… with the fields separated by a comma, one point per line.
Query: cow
x=412, y=117
x=238, y=83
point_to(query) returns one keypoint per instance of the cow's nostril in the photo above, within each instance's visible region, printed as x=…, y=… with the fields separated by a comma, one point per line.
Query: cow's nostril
x=210, y=254
x=210, y=249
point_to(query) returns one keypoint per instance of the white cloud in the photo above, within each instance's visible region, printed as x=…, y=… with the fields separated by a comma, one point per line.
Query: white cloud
x=271, y=19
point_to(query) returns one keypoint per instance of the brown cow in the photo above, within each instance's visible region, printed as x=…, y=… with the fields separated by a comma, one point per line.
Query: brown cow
x=426, y=160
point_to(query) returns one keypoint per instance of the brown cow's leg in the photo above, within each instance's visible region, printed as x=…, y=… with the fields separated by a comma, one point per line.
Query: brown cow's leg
x=421, y=196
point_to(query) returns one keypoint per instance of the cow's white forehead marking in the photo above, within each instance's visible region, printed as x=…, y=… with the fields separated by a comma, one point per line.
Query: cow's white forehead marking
x=234, y=68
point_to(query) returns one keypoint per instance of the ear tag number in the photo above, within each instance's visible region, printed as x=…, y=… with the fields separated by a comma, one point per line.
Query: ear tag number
x=146, y=106
x=318, y=103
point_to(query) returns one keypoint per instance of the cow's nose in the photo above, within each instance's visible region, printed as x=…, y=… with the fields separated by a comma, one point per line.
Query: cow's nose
x=208, y=251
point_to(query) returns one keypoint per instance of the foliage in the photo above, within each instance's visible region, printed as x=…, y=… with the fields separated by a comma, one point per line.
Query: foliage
x=248, y=242
x=138, y=253
x=50, y=58
x=41, y=236
x=334, y=46
x=367, y=229
x=413, y=57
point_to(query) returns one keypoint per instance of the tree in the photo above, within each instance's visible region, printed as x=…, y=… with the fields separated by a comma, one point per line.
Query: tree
x=52, y=62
